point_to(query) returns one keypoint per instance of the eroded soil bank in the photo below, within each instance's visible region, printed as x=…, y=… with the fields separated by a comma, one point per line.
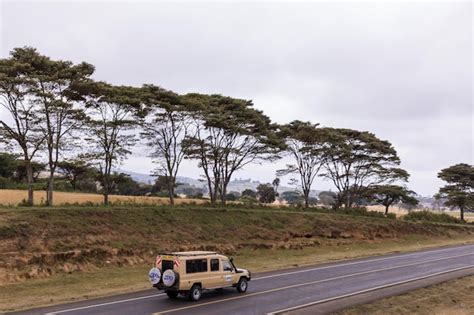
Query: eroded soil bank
x=39, y=242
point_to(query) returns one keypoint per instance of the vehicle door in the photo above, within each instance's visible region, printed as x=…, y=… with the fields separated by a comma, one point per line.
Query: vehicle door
x=228, y=273
x=215, y=273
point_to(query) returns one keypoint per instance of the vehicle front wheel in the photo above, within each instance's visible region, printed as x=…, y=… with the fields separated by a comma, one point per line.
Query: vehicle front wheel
x=195, y=293
x=242, y=285
x=172, y=294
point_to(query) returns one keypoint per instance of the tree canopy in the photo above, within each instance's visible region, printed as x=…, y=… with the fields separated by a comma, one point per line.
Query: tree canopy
x=229, y=134
x=388, y=195
x=459, y=191
x=356, y=160
x=305, y=145
x=113, y=113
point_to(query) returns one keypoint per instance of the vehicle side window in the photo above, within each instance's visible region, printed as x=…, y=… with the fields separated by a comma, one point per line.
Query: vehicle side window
x=227, y=266
x=196, y=265
x=214, y=264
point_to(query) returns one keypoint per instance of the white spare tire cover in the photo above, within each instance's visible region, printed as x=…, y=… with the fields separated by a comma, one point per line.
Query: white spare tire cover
x=154, y=275
x=169, y=278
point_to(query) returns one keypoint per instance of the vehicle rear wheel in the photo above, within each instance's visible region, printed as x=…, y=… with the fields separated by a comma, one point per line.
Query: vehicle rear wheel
x=172, y=294
x=242, y=285
x=195, y=293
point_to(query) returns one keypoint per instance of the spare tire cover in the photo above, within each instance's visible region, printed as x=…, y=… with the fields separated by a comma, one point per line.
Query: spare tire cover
x=169, y=277
x=154, y=275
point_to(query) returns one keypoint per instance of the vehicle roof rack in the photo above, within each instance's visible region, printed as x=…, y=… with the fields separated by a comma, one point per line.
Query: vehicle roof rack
x=190, y=253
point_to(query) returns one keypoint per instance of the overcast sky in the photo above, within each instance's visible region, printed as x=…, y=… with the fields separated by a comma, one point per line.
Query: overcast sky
x=401, y=70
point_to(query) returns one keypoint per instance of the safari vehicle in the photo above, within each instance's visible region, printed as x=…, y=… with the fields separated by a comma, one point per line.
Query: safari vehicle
x=189, y=273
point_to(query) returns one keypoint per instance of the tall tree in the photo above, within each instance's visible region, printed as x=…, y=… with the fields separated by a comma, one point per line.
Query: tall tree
x=22, y=131
x=293, y=197
x=75, y=170
x=229, y=134
x=305, y=144
x=266, y=193
x=276, y=184
x=356, y=160
x=112, y=116
x=53, y=91
x=459, y=192
x=328, y=198
x=164, y=129
x=388, y=195
x=8, y=164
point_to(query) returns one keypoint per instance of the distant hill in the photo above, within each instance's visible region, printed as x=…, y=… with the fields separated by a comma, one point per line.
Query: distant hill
x=237, y=184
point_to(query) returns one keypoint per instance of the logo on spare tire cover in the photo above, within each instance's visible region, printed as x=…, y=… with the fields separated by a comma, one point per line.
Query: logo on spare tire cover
x=154, y=275
x=169, y=278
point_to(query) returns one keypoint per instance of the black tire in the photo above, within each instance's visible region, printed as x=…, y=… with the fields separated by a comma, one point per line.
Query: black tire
x=195, y=293
x=242, y=285
x=172, y=294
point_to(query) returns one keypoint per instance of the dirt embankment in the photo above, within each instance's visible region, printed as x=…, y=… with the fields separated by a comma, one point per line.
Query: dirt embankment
x=37, y=243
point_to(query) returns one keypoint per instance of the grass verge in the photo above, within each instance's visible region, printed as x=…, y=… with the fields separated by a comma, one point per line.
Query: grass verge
x=453, y=297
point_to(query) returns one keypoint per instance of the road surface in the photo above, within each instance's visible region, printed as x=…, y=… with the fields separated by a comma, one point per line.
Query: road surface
x=308, y=290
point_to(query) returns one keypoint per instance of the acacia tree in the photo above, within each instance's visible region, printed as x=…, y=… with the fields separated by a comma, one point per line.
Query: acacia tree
x=53, y=91
x=112, y=115
x=356, y=160
x=305, y=144
x=74, y=170
x=388, y=195
x=229, y=134
x=23, y=129
x=164, y=129
x=460, y=189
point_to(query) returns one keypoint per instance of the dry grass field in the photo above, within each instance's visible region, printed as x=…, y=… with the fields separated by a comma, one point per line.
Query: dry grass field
x=10, y=197
x=450, y=298
x=14, y=197
x=399, y=212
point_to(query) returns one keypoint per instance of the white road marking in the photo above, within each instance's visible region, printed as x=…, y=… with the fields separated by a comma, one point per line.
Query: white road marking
x=308, y=283
x=270, y=276
x=105, y=304
x=367, y=290
x=344, y=264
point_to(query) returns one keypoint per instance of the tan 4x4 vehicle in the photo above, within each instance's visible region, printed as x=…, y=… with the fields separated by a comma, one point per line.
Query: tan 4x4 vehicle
x=189, y=273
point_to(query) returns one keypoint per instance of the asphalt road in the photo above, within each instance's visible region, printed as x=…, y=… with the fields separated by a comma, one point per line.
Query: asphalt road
x=294, y=290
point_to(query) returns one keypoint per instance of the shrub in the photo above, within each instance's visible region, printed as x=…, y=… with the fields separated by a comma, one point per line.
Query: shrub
x=431, y=216
x=361, y=211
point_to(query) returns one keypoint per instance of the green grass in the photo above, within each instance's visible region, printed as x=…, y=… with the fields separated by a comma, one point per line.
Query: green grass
x=431, y=217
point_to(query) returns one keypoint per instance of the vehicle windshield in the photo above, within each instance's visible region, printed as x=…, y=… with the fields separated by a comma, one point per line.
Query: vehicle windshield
x=227, y=265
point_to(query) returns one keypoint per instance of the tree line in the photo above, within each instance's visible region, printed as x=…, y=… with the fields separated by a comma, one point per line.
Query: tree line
x=58, y=110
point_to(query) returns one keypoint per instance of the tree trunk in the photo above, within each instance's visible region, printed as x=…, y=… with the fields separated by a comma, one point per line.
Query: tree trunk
x=49, y=194
x=462, y=213
x=223, y=194
x=171, y=193
x=386, y=209
x=306, y=199
x=106, y=198
x=29, y=178
x=347, y=203
x=215, y=193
